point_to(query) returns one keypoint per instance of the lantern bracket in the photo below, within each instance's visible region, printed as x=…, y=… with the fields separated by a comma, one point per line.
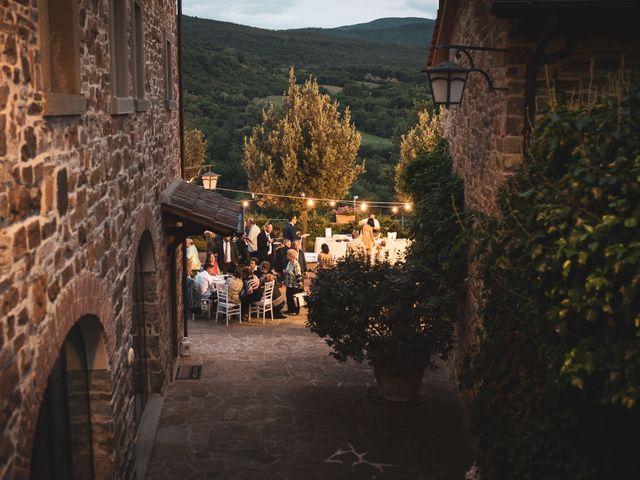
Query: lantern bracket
x=460, y=50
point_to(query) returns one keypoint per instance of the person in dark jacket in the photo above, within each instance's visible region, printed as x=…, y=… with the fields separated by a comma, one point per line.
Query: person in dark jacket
x=290, y=231
x=228, y=255
x=264, y=243
x=280, y=258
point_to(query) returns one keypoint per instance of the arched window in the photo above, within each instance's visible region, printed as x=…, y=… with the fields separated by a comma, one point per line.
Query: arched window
x=63, y=447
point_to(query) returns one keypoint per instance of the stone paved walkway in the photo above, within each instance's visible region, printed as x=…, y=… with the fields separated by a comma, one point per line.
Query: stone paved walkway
x=271, y=404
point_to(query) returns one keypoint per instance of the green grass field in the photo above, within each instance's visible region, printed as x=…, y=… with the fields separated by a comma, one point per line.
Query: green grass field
x=376, y=142
x=332, y=89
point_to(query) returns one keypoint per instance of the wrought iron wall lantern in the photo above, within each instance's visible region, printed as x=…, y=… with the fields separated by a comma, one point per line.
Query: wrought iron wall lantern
x=448, y=79
x=204, y=173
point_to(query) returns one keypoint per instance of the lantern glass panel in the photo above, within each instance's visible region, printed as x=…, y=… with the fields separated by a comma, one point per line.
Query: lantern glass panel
x=210, y=181
x=458, y=81
x=439, y=87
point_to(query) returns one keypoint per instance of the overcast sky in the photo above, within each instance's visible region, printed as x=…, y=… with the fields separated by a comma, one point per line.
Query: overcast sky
x=280, y=14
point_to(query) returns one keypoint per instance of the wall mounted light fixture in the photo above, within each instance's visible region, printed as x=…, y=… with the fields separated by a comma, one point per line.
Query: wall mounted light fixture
x=448, y=79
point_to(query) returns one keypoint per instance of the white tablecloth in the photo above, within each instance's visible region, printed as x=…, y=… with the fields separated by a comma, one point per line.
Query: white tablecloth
x=394, y=248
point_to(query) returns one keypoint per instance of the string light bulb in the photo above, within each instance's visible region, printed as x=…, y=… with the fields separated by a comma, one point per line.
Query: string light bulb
x=408, y=207
x=332, y=203
x=310, y=203
x=363, y=206
x=394, y=209
x=245, y=203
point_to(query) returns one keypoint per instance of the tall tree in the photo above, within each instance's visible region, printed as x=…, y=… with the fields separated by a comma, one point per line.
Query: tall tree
x=195, y=148
x=311, y=149
x=424, y=138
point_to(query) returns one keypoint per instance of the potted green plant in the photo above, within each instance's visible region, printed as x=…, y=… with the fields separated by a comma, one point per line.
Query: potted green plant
x=393, y=316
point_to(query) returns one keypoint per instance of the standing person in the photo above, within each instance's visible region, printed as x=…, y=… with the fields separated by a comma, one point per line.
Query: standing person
x=265, y=243
x=325, y=259
x=290, y=231
x=367, y=236
x=252, y=237
x=193, y=259
x=301, y=260
x=228, y=255
x=210, y=237
x=293, y=281
x=280, y=257
x=251, y=292
x=243, y=252
x=376, y=225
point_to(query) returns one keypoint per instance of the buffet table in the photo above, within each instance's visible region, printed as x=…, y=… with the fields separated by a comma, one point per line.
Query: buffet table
x=395, y=248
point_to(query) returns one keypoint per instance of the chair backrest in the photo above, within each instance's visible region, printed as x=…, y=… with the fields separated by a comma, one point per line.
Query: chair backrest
x=222, y=290
x=268, y=290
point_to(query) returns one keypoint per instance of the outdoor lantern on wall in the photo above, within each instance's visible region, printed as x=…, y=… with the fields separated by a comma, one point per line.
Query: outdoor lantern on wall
x=448, y=79
x=210, y=180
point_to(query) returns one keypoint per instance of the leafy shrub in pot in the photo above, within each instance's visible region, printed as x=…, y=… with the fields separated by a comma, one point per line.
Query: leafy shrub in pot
x=380, y=313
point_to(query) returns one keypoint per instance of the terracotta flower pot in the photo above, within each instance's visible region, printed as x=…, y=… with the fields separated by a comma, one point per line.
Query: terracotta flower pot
x=398, y=384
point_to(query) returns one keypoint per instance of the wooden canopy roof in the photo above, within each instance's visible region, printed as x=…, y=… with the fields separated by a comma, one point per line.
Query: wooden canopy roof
x=198, y=209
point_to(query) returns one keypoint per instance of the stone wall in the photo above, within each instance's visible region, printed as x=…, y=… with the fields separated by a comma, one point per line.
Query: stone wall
x=76, y=194
x=485, y=133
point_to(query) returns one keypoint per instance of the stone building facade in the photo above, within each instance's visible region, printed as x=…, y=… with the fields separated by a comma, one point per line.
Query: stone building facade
x=553, y=45
x=91, y=313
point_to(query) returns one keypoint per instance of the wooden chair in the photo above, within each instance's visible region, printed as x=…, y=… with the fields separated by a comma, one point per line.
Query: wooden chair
x=225, y=306
x=265, y=304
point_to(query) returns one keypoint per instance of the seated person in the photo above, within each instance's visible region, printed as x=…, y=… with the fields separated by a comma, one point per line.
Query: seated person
x=234, y=287
x=211, y=258
x=253, y=264
x=265, y=267
x=204, y=282
x=325, y=259
x=251, y=292
x=278, y=298
x=355, y=245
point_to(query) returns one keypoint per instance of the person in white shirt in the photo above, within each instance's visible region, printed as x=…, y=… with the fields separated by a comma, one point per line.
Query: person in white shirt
x=252, y=237
x=193, y=260
x=205, y=281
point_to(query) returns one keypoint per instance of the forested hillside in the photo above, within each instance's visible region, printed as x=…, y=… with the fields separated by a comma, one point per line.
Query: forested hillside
x=232, y=71
x=404, y=31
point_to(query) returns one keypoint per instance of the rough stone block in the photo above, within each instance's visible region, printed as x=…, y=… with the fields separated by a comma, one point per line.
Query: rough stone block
x=29, y=149
x=33, y=234
x=20, y=243
x=39, y=298
x=62, y=194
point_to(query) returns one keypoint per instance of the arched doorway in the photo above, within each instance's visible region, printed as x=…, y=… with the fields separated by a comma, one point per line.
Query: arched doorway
x=148, y=372
x=73, y=437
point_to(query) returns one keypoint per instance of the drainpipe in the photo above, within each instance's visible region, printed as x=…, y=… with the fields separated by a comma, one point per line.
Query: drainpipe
x=185, y=313
x=530, y=90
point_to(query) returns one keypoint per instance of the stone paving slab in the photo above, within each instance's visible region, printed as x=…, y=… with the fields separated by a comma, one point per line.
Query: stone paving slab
x=271, y=404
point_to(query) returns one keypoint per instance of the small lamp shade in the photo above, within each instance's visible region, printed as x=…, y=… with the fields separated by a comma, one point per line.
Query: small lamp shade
x=447, y=81
x=210, y=180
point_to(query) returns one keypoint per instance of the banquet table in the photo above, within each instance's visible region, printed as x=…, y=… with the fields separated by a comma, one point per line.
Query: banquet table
x=394, y=248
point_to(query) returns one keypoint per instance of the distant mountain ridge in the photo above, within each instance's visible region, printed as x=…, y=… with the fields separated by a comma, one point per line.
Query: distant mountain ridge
x=413, y=31
x=394, y=42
